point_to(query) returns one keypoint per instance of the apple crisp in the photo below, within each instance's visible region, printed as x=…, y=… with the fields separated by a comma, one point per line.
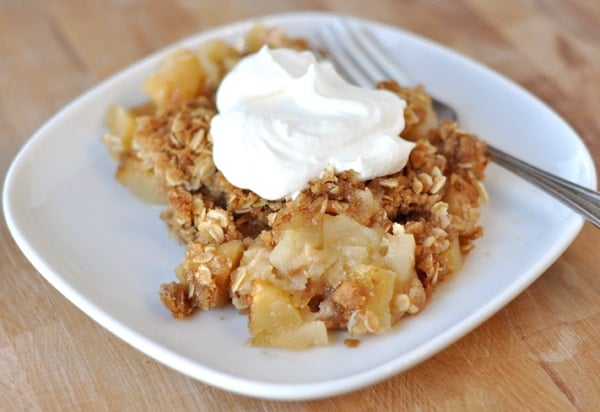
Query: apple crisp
x=344, y=254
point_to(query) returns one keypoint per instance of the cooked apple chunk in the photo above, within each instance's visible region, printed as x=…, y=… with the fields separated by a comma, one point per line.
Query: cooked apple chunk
x=274, y=320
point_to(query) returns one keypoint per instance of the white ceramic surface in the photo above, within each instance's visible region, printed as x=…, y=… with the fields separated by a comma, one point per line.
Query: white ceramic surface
x=107, y=252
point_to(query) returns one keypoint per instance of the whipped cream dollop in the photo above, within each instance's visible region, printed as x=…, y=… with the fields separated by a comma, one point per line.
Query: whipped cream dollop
x=282, y=118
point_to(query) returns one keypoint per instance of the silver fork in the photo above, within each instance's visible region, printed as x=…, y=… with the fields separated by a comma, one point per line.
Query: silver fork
x=362, y=60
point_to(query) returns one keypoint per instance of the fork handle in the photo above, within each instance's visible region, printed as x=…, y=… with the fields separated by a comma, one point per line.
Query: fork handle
x=582, y=200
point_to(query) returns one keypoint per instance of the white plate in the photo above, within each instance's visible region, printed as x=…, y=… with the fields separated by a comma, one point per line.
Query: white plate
x=107, y=252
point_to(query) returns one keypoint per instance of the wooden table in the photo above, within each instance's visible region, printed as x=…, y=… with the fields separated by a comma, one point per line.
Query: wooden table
x=542, y=351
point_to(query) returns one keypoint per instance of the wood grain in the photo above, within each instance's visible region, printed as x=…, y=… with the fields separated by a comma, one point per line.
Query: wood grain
x=541, y=352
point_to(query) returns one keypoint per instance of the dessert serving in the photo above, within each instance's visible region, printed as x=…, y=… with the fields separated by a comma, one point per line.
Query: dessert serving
x=309, y=204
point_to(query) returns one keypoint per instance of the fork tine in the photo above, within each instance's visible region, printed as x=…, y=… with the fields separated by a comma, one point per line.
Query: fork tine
x=358, y=56
x=350, y=42
x=362, y=59
x=376, y=55
x=342, y=59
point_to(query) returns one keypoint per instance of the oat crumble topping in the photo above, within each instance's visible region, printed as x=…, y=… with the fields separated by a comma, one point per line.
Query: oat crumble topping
x=344, y=254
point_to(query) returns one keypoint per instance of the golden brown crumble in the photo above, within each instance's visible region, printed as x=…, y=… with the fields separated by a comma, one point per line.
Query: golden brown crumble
x=344, y=254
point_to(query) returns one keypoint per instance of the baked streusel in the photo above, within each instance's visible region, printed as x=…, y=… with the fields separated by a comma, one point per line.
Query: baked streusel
x=343, y=254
